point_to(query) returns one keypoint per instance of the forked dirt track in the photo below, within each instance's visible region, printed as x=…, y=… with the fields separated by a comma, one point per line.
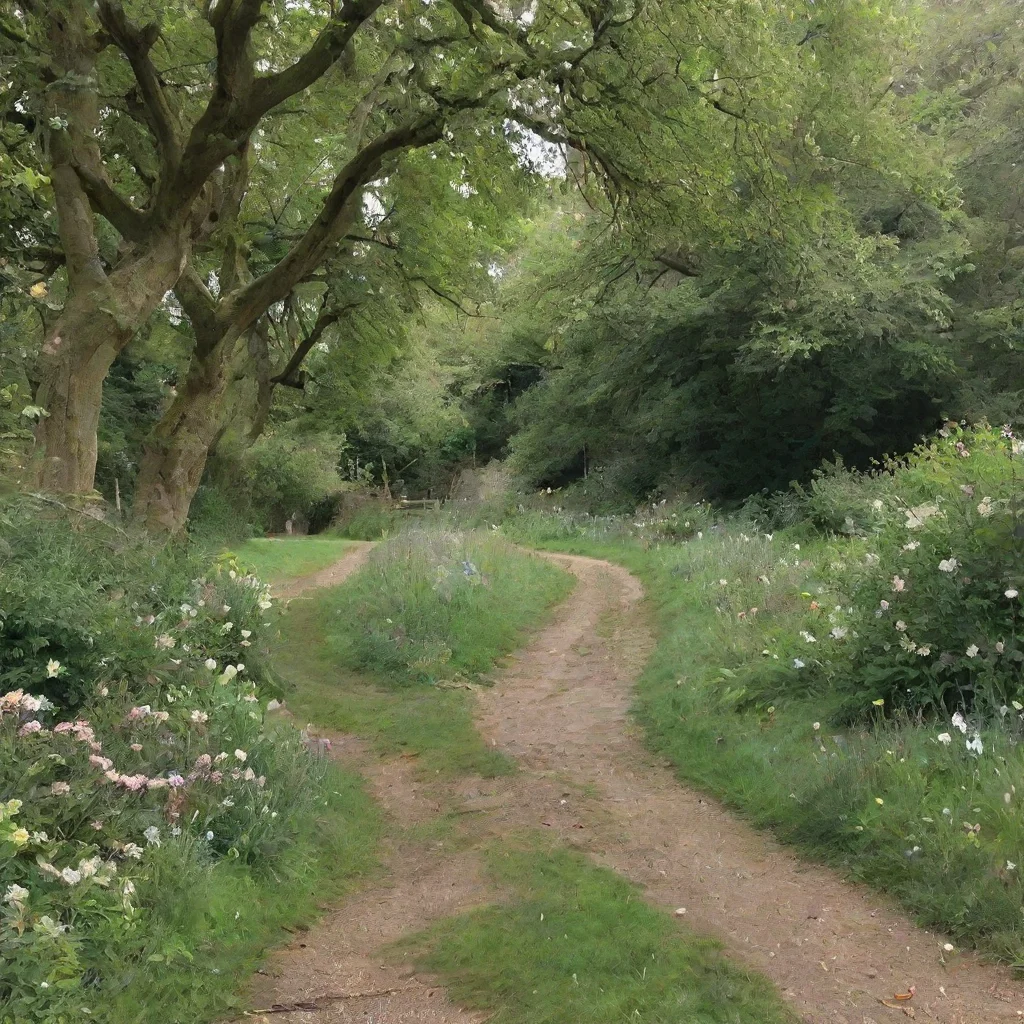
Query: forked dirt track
x=837, y=951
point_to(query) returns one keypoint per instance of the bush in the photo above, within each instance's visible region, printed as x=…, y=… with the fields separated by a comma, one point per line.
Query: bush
x=937, y=596
x=132, y=736
x=433, y=604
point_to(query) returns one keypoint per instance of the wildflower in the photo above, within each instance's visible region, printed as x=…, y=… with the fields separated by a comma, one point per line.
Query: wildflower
x=132, y=850
x=71, y=876
x=137, y=747
x=16, y=895
x=967, y=489
x=975, y=746
x=884, y=605
x=879, y=703
x=944, y=738
x=898, y=585
x=175, y=781
x=240, y=755
x=912, y=545
x=19, y=836
x=879, y=801
x=1000, y=647
x=209, y=836
x=152, y=836
x=30, y=727
x=241, y=665
x=227, y=802
x=814, y=606
x=985, y=507
x=959, y=722
x=907, y=644
x=246, y=633
x=220, y=757
x=103, y=763
x=839, y=632
x=797, y=663
x=229, y=672
x=48, y=926
x=227, y=627
x=871, y=558
x=60, y=789
x=972, y=651
x=97, y=825
x=877, y=504
x=1010, y=866
x=199, y=717
x=948, y=565
x=917, y=517
x=210, y=664
x=816, y=726
x=265, y=604
x=901, y=625
x=164, y=642
x=723, y=583
x=52, y=668
x=924, y=651
x=1011, y=593
x=808, y=637
x=796, y=547
x=226, y=608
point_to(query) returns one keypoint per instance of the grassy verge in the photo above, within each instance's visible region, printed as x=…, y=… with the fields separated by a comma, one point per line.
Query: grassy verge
x=401, y=631
x=888, y=803
x=274, y=560
x=577, y=943
x=209, y=928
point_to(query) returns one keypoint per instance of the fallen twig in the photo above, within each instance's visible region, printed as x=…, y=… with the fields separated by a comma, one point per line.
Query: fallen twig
x=317, y=1004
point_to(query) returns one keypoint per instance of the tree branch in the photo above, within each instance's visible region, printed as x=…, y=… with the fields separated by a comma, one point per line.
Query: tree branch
x=680, y=266
x=135, y=43
x=336, y=216
x=288, y=376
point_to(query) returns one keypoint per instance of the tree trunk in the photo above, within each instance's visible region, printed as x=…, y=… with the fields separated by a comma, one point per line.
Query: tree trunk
x=175, y=457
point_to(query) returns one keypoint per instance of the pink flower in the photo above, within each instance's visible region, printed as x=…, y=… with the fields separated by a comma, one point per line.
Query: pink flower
x=30, y=727
x=204, y=761
x=136, y=714
x=216, y=777
x=60, y=789
x=103, y=763
x=175, y=781
x=112, y=776
x=63, y=727
x=134, y=783
x=156, y=783
x=136, y=747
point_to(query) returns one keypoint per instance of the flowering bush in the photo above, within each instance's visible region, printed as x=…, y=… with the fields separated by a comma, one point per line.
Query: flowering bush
x=108, y=609
x=937, y=593
x=160, y=748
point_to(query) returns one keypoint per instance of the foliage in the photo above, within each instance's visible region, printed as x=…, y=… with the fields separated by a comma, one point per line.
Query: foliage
x=111, y=609
x=139, y=779
x=577, y=942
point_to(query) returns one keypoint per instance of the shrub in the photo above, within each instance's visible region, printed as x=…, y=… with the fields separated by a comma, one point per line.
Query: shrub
x=937, y=596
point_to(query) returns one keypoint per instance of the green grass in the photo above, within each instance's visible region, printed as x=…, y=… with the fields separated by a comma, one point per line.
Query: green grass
x=379, y=679
x=210, y=928
x=733, y=722
x=578, y=943
x=435, y=604
x=275, y=559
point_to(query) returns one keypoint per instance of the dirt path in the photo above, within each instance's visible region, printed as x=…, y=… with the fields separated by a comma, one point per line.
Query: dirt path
x=353, y=559
x=559, y=707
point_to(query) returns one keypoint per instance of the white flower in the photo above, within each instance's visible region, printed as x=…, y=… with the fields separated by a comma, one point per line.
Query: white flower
x=227, y=627
x=972, y=651
x=1000, y=647
x=1010, y=866
x=975, y=745
x=230, y=671
x=816, y=726
x=959, y=722
x=71, y=876
x=246, y=633
x=227, y=802
x=133, y=851
x=948, y=565
x=226, y=608
x=240, y=666
x=985, y=507
x=265, y=603
x=1011, y=593
x=839, y=632
x=797, y=663
x=884, y=605
x=808, y=637
x=240, y=755
x=898, y=585
x=199, y=717
x=796, y=547
x=944, y=738
x=723, y=583
x=917, y=517
x=877, y=505
x=209, y=836
x=16, y=895
x=924, y=651
x=210, y=664
x=52, y=668
x=152, y=835
x=901, y=625
x=912, y=545
x=871, y=559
